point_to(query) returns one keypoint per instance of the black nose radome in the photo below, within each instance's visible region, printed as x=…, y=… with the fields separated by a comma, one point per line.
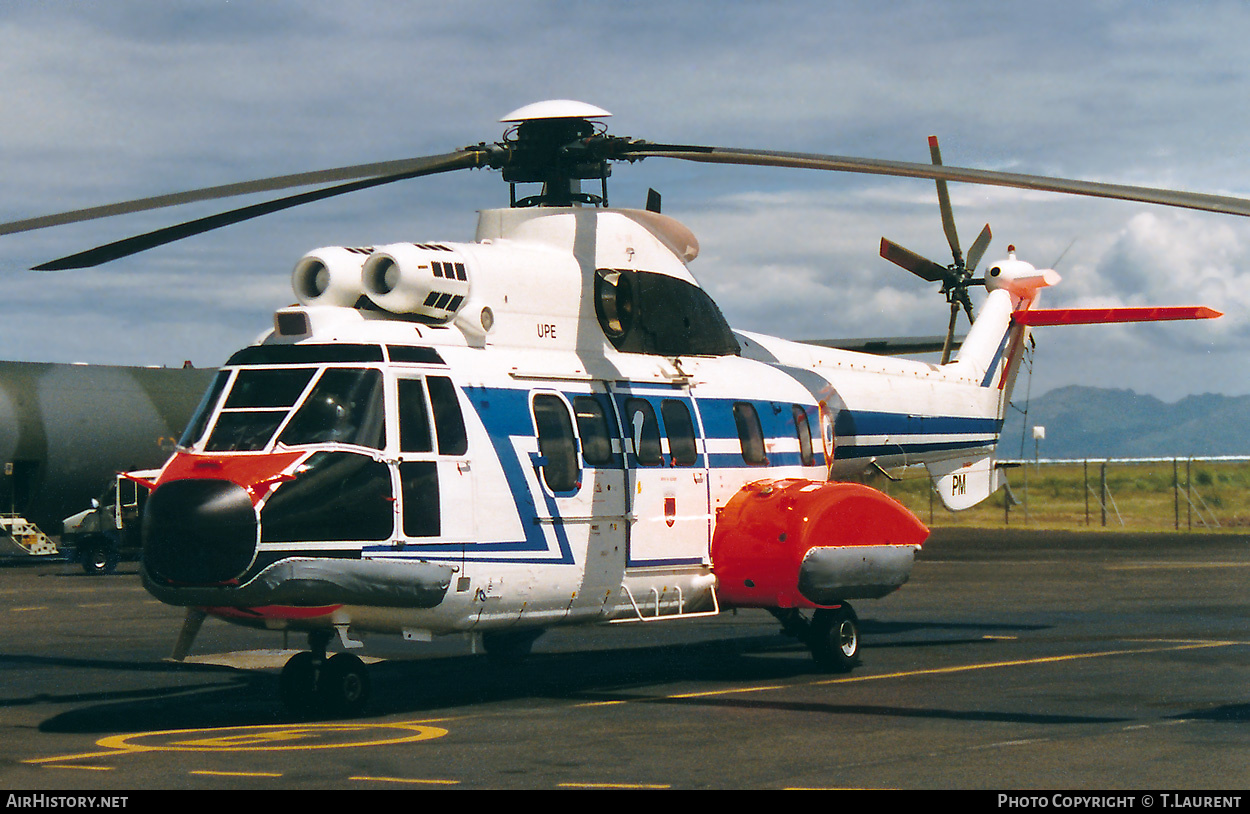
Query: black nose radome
x=199, y=531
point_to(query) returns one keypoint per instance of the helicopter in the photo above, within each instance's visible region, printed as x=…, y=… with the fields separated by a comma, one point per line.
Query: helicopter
x=553, y=424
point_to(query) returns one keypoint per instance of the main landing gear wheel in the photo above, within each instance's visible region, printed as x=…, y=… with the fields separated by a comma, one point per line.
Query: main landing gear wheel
x=834, y=638
x=311, y=683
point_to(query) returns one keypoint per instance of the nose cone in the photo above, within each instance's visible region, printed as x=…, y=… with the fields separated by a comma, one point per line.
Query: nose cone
x=199, y=531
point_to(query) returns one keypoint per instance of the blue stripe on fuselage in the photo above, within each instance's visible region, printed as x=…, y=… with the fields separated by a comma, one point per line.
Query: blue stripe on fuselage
x=505, y=415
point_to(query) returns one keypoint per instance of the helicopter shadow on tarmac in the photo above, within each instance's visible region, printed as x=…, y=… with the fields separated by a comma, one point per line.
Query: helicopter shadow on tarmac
x=197, y=695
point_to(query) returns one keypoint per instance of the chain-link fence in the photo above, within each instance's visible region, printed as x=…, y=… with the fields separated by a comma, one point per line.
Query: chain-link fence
x=1138, y=494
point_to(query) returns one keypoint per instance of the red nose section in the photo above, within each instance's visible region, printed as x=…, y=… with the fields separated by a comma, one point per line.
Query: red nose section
x=802, y=543
x=255, y=473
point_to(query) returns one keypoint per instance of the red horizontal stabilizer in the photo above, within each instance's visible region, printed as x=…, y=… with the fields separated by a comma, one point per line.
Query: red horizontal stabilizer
x=1095, y=316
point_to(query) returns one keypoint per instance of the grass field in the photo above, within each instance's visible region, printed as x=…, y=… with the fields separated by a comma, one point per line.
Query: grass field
x=1197, y=495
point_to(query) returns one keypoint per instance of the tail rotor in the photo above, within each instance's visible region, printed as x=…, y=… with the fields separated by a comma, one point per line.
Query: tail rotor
x=956, y=277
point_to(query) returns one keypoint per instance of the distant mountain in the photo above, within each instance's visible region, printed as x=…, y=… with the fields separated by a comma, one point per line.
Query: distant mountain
x=1094, y=422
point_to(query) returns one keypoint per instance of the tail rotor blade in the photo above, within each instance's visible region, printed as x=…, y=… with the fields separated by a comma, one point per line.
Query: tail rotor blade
x=944, y=201
x=978, y=247
x=922, y=267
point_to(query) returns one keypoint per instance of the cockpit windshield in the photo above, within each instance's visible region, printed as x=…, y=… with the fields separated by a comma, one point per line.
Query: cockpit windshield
x=344, y=407
x=334, y=405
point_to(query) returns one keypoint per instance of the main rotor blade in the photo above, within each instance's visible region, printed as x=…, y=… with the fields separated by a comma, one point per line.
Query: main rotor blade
x=978, y=248
x=1225, y=204
x=169, y=234
x=922, y=267
x=302, y=179
x=944, y=203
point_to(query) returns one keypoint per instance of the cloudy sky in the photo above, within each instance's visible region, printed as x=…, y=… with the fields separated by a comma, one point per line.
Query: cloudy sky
x=105, y=102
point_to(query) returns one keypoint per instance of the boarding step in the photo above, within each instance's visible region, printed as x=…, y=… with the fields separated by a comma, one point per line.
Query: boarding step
x=24, y=537
x=662, y=603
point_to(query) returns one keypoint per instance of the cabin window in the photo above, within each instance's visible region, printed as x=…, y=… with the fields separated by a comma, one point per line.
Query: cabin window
x=750, y=434
x=592, y=426
x=258, y=402
x=680, y=430
x=644, y=429
x=344, y=407
x=448, y=420
x=419, y=484
x=414, y=417
x=804, y=429
x=556, y=443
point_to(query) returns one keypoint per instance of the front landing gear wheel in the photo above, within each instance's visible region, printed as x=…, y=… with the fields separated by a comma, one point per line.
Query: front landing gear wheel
x=297, y=686
x=344, y=686
x=313, y=683
x=834, y=638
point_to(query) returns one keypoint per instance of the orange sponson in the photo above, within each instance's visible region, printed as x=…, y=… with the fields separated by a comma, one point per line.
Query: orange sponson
x=763, y=533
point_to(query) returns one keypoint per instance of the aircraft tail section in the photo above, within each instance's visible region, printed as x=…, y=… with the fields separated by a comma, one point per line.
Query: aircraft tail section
x=991, y=354
x=990, y=357
x=996, y=340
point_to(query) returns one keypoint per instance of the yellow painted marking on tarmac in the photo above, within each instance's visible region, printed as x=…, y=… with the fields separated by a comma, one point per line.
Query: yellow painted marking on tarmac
x=614, y=786
x=834, y=788
x=274, y=737
x=83, y=768
x=236, y=774
x=994, y=665
x=80, y=756
x=277, y=737
x=1155, y=566
x=412, y=780
x=963, y=668
x=29, y=609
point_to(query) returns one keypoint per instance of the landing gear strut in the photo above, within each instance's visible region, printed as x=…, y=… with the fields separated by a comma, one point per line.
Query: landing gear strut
x=832, y=634
x=311, y=683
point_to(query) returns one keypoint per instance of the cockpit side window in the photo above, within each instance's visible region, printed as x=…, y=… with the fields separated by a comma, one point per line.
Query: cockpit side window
x=414, y=417
x=448, y=420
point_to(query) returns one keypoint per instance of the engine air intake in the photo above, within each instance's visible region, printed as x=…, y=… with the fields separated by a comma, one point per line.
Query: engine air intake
x=411, y=278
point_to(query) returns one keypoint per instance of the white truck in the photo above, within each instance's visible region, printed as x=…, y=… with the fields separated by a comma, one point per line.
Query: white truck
x=100, y=537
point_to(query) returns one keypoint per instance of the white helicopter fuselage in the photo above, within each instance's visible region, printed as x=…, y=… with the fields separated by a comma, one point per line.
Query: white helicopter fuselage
x=553, y=425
